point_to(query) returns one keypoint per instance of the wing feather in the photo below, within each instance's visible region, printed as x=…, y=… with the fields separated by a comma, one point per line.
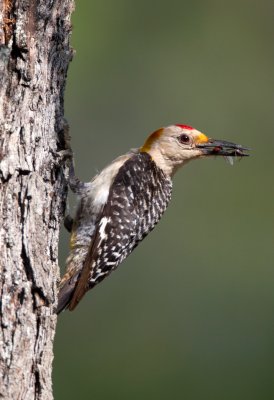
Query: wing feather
x=137, y=199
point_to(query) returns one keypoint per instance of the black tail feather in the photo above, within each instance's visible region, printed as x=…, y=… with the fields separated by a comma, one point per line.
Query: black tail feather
x=65, y=295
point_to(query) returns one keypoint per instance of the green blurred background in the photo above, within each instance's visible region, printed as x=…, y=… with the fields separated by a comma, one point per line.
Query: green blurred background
x=189, y=315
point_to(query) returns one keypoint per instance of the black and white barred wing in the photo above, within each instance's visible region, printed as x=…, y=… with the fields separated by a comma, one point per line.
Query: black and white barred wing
x=137, y=199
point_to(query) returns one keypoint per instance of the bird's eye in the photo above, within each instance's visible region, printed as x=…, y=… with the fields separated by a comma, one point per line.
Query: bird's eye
x=184, y=138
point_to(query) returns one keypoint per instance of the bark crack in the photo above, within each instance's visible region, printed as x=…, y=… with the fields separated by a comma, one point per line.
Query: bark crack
x=37, y=384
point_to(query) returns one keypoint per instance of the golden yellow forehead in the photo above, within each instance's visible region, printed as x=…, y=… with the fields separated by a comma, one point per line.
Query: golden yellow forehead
x=201, y=138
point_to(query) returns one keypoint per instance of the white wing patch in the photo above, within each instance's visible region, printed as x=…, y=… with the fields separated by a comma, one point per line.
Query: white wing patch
x=102, y=227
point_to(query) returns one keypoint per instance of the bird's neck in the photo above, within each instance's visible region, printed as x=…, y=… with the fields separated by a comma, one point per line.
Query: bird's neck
x=166, y=164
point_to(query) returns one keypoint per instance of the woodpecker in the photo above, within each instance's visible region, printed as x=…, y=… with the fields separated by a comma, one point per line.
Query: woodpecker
x=124, y=202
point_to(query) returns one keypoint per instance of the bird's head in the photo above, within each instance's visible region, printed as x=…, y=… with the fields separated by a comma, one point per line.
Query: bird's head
x=174, y=145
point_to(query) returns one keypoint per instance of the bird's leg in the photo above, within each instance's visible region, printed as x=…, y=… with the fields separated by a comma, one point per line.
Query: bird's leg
x=68, y=220
x=75, y=184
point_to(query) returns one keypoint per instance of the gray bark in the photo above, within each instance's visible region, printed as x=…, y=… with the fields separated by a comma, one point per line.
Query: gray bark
x=34, y=57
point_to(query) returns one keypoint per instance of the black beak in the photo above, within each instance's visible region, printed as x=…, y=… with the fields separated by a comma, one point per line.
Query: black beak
x=222, y=148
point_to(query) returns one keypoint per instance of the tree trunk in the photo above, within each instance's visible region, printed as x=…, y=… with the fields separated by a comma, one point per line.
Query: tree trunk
x=34, y=57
